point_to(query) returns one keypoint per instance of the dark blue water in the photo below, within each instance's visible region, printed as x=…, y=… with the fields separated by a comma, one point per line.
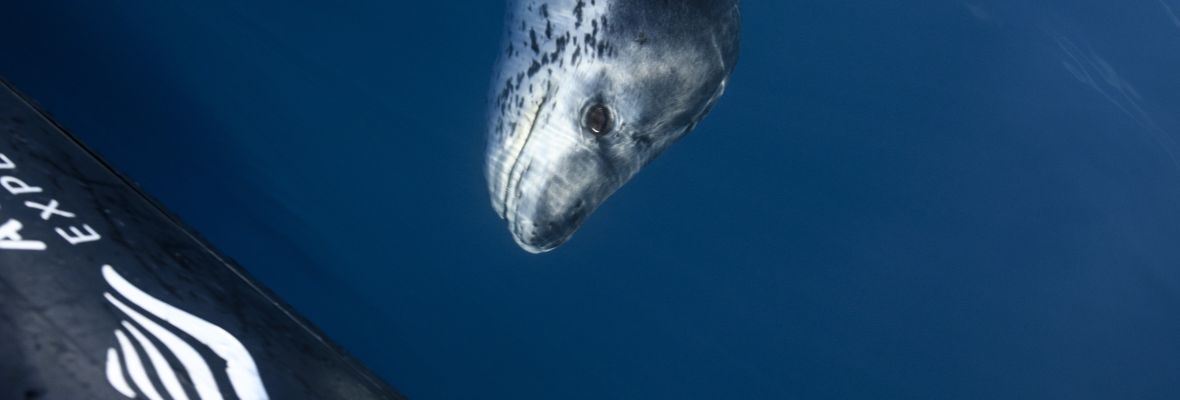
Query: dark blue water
x=909, y=199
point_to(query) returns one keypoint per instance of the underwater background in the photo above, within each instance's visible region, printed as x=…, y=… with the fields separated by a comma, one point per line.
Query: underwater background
x=908, y=199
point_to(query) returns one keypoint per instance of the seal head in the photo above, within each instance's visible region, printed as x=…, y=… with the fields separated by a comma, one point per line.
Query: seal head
x=587, y=93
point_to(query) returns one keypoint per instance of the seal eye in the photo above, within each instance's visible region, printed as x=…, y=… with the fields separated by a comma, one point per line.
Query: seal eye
x=598, y=120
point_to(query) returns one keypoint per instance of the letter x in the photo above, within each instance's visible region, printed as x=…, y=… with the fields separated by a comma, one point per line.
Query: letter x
x=49, y=210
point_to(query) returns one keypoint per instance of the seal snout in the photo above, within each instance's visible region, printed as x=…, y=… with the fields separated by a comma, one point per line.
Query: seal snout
x=547, y=222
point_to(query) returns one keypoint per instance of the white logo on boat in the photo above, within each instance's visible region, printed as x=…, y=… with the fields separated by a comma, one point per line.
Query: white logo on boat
x=126, y=360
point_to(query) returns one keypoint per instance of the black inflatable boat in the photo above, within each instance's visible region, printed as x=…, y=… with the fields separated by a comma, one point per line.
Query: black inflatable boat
x=105, y=295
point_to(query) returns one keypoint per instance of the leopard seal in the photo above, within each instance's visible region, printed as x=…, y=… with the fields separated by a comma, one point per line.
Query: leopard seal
x=588, y=92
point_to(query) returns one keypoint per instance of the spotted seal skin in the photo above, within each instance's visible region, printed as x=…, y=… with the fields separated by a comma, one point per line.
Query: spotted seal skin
x=587, y=92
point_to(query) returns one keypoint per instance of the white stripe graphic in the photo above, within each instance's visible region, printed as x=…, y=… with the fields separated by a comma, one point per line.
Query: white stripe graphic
x=163, y=369
x=135, y=368
x=239, y=365
x=115, y=374
x=198, y=370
